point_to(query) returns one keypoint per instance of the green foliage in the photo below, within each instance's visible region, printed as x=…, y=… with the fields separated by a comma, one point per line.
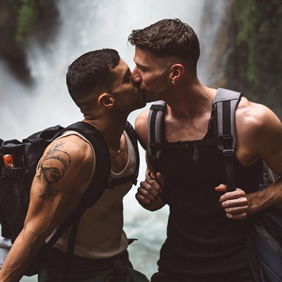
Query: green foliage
x=258, y=50
x=28, y=15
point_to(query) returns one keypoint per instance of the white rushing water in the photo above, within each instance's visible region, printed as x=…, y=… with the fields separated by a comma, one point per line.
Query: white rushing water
x=83, y=26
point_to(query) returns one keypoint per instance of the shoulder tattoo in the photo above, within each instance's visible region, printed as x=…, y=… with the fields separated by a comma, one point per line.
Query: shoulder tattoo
x=51, y=169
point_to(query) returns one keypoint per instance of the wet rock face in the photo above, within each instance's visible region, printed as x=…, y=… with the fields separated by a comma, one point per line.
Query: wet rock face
x=12, y=51
x=220, y=43
x=8, y=15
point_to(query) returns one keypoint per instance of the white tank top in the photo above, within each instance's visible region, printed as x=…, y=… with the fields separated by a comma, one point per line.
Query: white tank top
x=100, y=233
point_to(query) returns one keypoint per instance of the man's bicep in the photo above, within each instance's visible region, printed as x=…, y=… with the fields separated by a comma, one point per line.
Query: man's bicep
x=272, y=151
x=141, y=128
x=149, y=165
x=259, y=133
x=47, y=196
x=41, y=212
x=65, y=165
x=49, y=180
x=274, y=161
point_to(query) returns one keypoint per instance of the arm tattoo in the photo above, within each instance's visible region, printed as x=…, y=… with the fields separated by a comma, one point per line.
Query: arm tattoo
x=51, y=169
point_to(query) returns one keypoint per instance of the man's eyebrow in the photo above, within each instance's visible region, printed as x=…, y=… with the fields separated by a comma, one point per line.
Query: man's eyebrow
x=141, y=66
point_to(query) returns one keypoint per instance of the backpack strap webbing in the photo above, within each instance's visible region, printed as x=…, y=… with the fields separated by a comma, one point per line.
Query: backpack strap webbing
x=103, y=162
x=133, y=137
x=224, y=105
x=133, y=177
x=155, y=130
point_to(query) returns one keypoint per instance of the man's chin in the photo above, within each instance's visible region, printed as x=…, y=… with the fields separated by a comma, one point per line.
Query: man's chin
x=139, y=103
x=143, y=94
x=148, y=98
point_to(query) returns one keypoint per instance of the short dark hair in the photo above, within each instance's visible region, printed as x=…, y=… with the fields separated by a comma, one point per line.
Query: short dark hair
x=168, y=37
x=91, y=72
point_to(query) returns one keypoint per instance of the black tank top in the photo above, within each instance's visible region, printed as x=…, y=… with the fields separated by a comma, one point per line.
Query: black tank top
x=202, y=243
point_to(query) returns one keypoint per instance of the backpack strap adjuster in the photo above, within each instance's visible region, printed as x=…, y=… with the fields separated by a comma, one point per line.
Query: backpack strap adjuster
x=227, y=142
x=228, y=153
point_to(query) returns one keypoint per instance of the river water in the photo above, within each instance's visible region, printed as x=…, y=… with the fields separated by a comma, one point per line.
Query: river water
x=83, y=26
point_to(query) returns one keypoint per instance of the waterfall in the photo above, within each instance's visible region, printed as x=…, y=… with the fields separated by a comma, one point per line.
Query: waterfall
x=83, y=26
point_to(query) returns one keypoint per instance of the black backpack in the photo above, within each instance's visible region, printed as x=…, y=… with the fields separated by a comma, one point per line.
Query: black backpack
x=15, y=181
x=265, y=227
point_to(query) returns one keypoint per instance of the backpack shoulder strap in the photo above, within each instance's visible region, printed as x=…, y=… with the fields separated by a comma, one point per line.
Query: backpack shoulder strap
x=133, y=177
x=133, y=138
x=226, y=102
x=225, y=105
x=103, y=162
x=97, y=185
x=155, y=129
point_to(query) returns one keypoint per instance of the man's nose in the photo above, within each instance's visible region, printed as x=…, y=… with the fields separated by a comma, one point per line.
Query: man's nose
x=136, y=77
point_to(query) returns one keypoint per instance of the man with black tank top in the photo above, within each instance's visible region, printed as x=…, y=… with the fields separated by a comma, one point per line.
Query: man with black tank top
x=206, y=232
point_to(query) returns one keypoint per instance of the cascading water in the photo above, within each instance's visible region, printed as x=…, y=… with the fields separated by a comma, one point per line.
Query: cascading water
x=83, y=26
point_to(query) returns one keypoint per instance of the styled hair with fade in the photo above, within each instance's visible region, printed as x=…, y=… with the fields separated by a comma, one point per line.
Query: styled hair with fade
x=91, y=72
x=168, y=38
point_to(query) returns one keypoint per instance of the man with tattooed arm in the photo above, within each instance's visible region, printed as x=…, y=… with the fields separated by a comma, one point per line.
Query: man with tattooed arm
x=101, y=85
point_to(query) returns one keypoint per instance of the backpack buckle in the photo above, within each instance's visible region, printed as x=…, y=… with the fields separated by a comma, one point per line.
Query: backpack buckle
x=228, y=153
x=227, y=141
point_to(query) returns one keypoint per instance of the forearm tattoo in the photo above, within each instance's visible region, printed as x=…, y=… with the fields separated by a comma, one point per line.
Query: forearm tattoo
x=51, y=169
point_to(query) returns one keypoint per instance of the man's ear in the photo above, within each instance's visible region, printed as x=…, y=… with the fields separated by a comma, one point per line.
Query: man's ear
x=106, y=100
x=176, y=72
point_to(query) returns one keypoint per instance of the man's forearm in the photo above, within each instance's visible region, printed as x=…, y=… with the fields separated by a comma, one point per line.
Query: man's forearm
x=17, y=260
x=266, y=198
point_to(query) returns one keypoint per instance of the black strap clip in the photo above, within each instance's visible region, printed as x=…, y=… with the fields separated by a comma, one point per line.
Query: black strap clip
x=228, y=153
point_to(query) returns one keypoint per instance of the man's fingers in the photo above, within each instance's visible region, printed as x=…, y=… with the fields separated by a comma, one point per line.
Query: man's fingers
x=147, y=193
x=242, y=201
x=142, y=200
x=151, y=179
x=151, y=186
x=238, y=193
x=236, y=210
x=237, y=216
x=160, y=179
x=221, y=188
x=235, y=203
x=151, y=174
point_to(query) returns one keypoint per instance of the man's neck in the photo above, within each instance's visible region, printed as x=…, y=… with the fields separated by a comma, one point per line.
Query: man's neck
x=111, y=130
x=190, y=102
x=187, y=118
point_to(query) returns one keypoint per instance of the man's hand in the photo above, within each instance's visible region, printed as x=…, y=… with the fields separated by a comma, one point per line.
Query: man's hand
x=235, y=203
x=148, y=194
